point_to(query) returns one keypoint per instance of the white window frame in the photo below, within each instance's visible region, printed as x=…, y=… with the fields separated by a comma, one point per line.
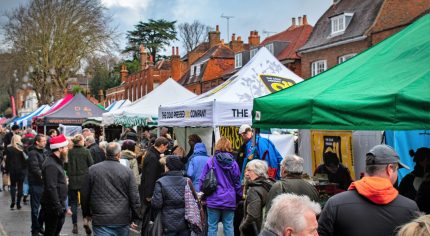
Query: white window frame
x=318, y=67
x=238, y=60
x=270, y=48
x=252, y=52
x=338, y=23
x=345, y=57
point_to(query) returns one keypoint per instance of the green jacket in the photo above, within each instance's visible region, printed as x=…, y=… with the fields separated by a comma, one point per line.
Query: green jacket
x=77, y=168
x=292, y=184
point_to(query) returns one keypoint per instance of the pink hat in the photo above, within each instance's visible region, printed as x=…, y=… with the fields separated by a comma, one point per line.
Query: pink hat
x=58, y=142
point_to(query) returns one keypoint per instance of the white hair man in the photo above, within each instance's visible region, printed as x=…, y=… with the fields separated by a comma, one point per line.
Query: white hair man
x=371, y=202
x=292, y=181
x=292, y=215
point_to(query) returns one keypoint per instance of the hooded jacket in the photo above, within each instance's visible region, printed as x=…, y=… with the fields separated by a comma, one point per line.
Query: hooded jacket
x=255, y=201
x=228, y=176
x=371, y=202
x=77, y=168
x=196, y=163
x=132, y=163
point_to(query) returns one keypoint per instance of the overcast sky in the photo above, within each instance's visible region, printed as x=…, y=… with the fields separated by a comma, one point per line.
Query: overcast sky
x=267, y=15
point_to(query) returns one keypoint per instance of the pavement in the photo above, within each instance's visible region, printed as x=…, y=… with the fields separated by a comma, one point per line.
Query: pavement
x=18, y=222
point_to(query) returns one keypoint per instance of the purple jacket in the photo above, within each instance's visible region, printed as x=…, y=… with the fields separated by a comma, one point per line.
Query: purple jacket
x=228, y=176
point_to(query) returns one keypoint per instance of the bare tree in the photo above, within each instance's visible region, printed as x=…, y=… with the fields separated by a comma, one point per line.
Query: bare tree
x=193, y=34
x=52, y=37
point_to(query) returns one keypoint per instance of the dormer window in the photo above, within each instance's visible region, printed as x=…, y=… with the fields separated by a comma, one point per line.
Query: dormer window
x=253, y=52
x=270, y=48
x=339, y=23
x=238, y=60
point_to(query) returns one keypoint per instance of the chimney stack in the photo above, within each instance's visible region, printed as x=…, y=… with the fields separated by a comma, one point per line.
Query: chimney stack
x=293, y=23
x=143, y=57
x=305, y=20
x=254, y=38
x=123, y=73
x=176, y=65
x=214, y=37
x=236, y=44
x=300, y=21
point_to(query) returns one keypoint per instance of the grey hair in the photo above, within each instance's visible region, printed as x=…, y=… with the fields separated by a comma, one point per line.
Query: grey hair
x=288, y=210
x=90, y=139
x=293, y=164
x=112, y=149
x=103, y=145
x=259, y=167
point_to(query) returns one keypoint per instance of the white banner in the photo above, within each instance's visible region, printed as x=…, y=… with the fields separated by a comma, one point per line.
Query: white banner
x=181, y=116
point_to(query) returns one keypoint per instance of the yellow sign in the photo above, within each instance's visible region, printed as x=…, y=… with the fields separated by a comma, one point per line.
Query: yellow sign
x=232, y=134
x=339, y=142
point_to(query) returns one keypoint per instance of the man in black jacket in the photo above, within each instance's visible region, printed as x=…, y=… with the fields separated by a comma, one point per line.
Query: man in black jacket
x=371, y=206
x=35, y=159
x=109, y=195
x=55, y=186
x=96, y=152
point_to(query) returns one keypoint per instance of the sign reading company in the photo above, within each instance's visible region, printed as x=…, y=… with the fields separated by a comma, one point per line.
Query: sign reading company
x=187, y=114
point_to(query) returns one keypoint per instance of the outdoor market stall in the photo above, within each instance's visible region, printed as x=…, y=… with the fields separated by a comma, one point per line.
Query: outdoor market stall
x=25, y=121
x=384, y=88
x=73, y=113
x=230, y=103
x=144, y=111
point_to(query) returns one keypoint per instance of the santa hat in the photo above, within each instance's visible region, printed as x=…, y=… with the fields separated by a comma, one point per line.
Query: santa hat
x=58, y=142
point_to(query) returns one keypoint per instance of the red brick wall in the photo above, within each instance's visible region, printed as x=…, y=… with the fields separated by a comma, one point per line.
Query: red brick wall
x=195, y=88
x=331, y=55
x=217, y=67
x=395, y=13
x=295, y=67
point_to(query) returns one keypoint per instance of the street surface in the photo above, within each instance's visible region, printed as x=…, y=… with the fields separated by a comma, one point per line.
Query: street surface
x=18, y=222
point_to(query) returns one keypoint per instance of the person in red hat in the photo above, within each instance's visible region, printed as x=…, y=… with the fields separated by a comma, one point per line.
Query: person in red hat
x=55, y=186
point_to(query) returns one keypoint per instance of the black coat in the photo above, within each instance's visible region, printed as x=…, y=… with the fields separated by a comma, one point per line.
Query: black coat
x=152, y=170
x=15, y=161
x=423, y=196
x=55, y=185
x=169, y=197
x=350, y=213
x=35, y=161
x=110, y=195
x=97, y=153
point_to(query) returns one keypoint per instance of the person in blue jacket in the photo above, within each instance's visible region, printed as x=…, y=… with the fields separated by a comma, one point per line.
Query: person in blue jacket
x=196, y=163
x=259, y=148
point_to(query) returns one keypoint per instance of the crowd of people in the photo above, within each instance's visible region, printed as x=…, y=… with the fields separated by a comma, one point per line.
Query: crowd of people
x=139, y=184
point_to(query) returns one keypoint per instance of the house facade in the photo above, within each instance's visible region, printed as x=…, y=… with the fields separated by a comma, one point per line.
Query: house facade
x=349, y=27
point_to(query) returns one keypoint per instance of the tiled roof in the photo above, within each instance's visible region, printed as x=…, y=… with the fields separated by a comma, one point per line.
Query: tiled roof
x=219, y=51
x=365, y=12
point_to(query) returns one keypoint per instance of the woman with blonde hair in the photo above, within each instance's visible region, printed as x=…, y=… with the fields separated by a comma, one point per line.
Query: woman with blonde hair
x=16, y=166
x=418, y=227
x=222, y=203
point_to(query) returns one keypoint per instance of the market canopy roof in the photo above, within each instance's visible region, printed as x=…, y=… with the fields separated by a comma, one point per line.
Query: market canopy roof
x=26, y=120
x=386, y=87
x=144, y=111
x=230, y=103
x=73, y=113
x=117, y=104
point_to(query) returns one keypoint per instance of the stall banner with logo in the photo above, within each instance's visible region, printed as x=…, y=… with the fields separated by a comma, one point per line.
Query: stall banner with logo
x=339, y=142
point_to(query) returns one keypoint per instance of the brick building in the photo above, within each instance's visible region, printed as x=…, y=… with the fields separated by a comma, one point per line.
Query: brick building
x=139, y=84
x=282, y=45
x=349, y=27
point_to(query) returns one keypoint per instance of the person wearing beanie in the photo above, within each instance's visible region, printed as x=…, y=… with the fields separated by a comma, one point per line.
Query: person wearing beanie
x=55, y=186
x=128, y=158
x=169, y=197
x=412, y=181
